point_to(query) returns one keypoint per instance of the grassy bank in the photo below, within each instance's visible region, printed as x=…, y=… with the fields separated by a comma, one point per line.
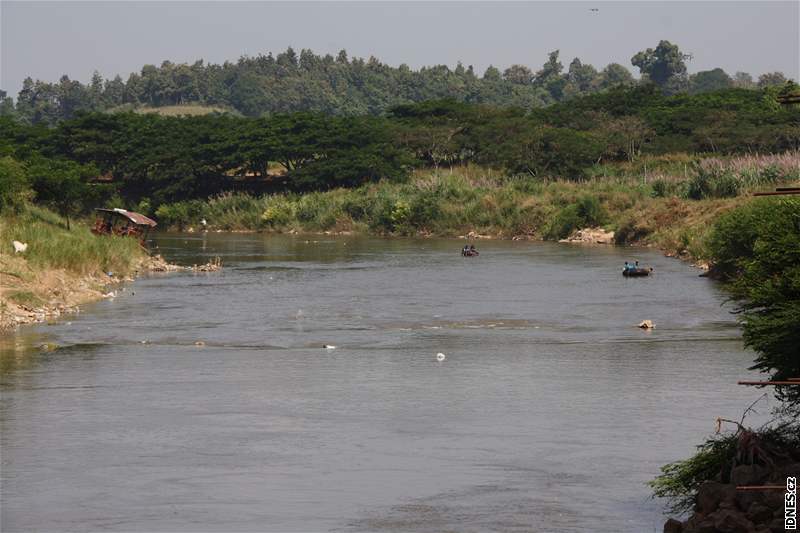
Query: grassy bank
x=671, y=207
x=59, y=269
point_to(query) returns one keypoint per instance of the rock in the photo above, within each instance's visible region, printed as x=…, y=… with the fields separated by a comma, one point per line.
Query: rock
x=748, y=475
x=591, y=236
x=747, y=498
x=758, y=513
x=699, y=523
x=790, y=470
x=673, y=526
x=711, y=494
x=776, y=526
x=731, y=521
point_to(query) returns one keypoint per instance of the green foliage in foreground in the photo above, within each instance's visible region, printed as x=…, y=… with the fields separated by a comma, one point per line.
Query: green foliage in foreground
x=757, y=249
x=679, y=481
x=52, y=246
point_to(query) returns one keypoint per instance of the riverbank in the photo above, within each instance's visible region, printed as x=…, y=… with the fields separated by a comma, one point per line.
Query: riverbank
x=669, y=211
x=61, y=269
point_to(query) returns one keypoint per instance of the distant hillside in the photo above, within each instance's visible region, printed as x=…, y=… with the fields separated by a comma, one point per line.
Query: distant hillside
x=288, y=82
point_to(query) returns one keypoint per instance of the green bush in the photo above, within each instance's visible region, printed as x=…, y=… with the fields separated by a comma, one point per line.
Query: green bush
x=590, y=211
x=661, y=188
x=279, y=211
x=679, y=481
x=756, y=248
x=565, y=222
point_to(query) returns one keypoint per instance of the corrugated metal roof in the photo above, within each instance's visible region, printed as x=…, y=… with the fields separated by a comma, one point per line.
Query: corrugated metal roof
x=136, y=218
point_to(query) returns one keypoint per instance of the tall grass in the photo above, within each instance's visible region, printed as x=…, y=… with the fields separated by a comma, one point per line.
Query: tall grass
x=51, y=245
x=673, y=212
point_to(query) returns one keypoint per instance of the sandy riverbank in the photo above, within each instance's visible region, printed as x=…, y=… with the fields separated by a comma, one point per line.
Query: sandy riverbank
x=47, y=294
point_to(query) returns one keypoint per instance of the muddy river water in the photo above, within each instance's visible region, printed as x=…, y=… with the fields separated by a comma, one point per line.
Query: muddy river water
x=550, y=412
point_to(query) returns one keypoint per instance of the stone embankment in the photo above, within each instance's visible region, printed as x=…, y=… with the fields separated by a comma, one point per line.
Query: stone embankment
x=720, y=507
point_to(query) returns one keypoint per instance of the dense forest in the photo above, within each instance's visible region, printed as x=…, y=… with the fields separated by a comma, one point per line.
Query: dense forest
x=291, y=82
x=152, y=159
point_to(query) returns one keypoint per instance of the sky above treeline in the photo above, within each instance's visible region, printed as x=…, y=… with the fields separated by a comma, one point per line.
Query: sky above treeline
x=47, y=39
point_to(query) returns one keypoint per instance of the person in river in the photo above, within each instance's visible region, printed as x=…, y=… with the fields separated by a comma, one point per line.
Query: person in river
x=465, y=250
x=472, y=250
x=627, y=266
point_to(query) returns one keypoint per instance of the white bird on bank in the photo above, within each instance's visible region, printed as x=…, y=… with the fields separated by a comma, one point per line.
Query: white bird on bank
x=440, y=357
x=19, y=247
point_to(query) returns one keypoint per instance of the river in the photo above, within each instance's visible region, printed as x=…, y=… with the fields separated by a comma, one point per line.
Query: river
x=550, y=412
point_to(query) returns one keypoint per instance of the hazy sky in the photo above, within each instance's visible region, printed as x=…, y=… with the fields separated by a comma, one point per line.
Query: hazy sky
x=47, y=39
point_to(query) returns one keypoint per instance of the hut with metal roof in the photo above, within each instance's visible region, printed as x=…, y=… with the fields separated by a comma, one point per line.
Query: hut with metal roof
x=122, y=223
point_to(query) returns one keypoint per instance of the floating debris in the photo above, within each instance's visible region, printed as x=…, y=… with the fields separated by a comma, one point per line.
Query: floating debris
x=646, y=324
x=212, y=266
x=329, y=346
x=440, y=357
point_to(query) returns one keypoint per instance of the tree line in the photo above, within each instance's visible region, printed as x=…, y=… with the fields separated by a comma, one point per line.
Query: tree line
x=136, y=158
x=291, y=82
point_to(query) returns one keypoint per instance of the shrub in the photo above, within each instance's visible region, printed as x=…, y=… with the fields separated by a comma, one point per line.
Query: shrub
x=279, y=211
x=757, y=249
x=590, y=211
x=565, y=222
x=679, y=481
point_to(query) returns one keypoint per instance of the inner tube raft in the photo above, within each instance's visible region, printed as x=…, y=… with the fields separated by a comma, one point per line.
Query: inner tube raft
x=637, y=272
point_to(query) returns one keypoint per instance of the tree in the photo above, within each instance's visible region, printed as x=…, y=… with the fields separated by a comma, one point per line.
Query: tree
x=580, y=78
x=615, y=75
x=114, y=92
x=549, y=76
x=626, y=135
x=756, y=248
x=771, y=79
x=665, y=66
x=14, y=186
x=96, y=102
x=491, y=74
x=62, y=184
x=743, y=80
x=6, y=105
x=709, y=80
x=519, y=74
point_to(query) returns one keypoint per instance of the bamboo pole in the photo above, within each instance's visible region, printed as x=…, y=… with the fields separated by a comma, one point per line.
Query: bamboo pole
x=761, y=487
x=792, y=382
